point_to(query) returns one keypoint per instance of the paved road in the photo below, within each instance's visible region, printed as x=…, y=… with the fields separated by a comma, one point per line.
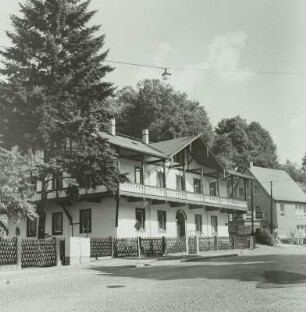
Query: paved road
x=244, y=283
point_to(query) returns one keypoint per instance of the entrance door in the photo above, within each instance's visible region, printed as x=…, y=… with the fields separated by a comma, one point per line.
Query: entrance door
x=181, y=223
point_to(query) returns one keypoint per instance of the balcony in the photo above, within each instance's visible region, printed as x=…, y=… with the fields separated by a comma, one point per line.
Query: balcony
x=258, y=216
x=158, y=193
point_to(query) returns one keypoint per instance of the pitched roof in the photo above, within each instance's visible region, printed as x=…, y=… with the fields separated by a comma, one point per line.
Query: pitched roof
x=283, y=187
x=173, y=146
x=132, y=144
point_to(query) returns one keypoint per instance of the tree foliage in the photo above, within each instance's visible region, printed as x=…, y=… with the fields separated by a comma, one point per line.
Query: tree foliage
x=55, y=89
x=167, y=113
x=296, y=172
x=16, y=187
x=237, y=143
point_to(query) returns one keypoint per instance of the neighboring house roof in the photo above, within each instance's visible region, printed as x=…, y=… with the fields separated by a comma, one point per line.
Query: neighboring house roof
x=132, y=144
x=173, y=146
x=283, y=187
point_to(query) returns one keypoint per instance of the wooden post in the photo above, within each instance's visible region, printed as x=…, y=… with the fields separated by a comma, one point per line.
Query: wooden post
x=202, y=180
x=58, y=251
x=164, y=176
x=218, y=188
x=245, y=189
x=197, y=244
x=271, y=206
x=187, y=244
x=138, y=244
x=112, y=244
x=19, y=251
x=232, y=182
x=184, y=178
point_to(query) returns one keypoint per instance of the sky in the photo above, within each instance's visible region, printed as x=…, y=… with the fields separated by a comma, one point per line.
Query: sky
x=227, y=35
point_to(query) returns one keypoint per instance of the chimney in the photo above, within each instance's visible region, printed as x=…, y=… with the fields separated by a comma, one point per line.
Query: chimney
x=251, y=164
x=113, y=126
x=145, y=136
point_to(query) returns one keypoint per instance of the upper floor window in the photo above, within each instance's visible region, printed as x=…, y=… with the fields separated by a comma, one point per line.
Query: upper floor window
x=161, y=216
x=140, y=215
x=160, y=179
x=282, y=209
x=256, y=189
x=300, y=210
x=138, y=175
x=240, y=191
x=57, y=181
x=198, y=222
x=180, y=183
x=85, y=221
x=197, y=186
x=213, y=188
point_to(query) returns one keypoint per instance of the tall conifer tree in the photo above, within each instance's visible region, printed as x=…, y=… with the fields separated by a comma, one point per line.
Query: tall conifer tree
x=54, y=95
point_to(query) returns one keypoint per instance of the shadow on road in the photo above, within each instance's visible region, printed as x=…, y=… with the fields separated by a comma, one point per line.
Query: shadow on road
x=269, y=269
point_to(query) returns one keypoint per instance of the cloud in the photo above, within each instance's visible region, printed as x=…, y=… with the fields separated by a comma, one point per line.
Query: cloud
x=225, y=53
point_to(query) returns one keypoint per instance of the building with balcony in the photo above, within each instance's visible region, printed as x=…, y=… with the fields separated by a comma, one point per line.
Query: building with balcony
x=277, y=200
x=175, y=188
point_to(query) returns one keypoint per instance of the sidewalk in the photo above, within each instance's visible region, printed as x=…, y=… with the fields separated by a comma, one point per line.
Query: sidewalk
x=15, y=275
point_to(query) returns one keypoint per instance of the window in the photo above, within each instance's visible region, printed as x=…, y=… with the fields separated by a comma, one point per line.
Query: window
x=141, y=217
x=214, y=225
x=160, y=179
x=197, y=186
x=85, y=221
x=57, y=182
x=240, y=191
x=180, y=183
x=31, y=227
x=256, y=189
x=138, y=175
x=198, y=222
x=213, y=188
x=57, y=223
x=301, y=229
x=161, y=216
x=282, y=209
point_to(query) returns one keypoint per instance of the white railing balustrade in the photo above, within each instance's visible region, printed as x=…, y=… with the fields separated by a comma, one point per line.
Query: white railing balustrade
x=189, y=197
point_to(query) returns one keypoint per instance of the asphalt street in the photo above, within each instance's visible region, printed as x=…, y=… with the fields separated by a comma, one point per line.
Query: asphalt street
x=244, y=283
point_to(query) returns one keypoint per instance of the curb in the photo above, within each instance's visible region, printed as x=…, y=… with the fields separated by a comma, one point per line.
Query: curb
x=203, y=258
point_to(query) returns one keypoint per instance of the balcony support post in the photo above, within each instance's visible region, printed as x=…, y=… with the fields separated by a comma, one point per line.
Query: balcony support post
x=232, y=182
x=142, y=171
x=164, y=176
x=245, y=189
x=202, y=180
x=218, y=188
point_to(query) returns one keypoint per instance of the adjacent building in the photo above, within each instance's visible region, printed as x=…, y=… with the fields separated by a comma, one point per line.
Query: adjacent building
x=277, y=200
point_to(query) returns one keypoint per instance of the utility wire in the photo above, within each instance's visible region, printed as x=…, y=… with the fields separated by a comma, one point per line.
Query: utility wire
x=207, y=70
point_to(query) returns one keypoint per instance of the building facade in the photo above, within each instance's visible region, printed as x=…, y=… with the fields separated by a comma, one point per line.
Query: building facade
x=277, y=200
x=175, y=188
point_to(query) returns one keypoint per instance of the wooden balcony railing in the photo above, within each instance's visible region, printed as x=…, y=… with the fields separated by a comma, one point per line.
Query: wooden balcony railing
x=257, y=216
x=153, y=192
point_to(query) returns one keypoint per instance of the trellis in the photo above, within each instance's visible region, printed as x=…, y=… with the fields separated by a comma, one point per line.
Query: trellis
x=8, y=251
x=38, y=252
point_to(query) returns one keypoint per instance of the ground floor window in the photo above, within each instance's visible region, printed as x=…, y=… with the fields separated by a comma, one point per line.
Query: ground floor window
x=140, y=215
x=161, y=216
x=85, y=221
x=57, y=223
x=31, y=227
x=214, y=225
x=198, y=222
